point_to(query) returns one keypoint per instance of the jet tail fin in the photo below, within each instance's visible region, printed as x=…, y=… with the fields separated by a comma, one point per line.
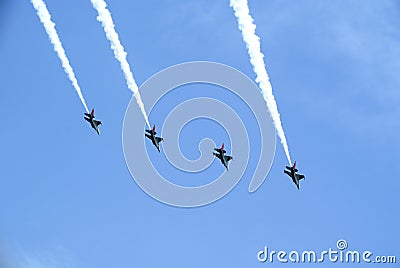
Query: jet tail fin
x=217, y=155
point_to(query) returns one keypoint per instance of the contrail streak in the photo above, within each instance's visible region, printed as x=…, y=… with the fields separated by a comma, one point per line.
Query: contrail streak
x=248, y=29
x=49, y=26
x=108, y=25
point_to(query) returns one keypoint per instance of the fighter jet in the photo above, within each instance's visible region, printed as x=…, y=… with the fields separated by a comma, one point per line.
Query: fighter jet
x=94, y=123
x=155, y=140
x=221, y=155
x=292, y=172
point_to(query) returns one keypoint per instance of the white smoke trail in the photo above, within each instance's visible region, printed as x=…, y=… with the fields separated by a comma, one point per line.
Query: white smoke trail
x=49, y=26
x=108, y=25
x=248, y=28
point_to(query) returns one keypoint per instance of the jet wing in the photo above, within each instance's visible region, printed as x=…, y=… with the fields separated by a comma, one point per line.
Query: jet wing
x=217, y=155
x=300, y=176
x=158, y=139
x=219, y=150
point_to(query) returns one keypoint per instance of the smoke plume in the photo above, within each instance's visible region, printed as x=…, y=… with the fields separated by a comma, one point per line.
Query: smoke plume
x=49, y=26
x=248, y=29
x=104, y=16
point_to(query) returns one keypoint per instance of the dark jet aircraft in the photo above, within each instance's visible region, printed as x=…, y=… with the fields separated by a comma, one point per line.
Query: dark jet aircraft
x=221, y=155
x=94, y=123
x=155, y=140
x=292, y=172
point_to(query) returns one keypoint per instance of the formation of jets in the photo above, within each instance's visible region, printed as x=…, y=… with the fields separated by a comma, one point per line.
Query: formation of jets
x=220, y=153
x=94, y=123
x=292, y=172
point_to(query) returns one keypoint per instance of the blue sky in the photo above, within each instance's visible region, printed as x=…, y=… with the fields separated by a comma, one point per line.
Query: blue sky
x=67, y=198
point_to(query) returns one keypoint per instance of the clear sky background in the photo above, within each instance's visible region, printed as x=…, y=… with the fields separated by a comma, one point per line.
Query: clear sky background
x=67, y=198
